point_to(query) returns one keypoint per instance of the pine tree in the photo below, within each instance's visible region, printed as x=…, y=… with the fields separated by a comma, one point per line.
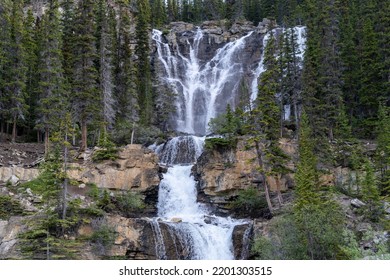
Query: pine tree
x=383, y=148
x=263, y=119
x=51, y=89
x=306, y=176
x=31, y=45
x=291, y=74
x=322, y=84
x=370, y=193
x=158, y=13
x=105, y=36
x=15, y=78
x=85, y=97
x=144, y=85
x=125, y=88
x=318, y=218
x=5, y=40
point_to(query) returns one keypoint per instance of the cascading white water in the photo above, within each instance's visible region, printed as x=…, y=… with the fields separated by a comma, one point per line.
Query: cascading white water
x=198, y=86
x=205, y=236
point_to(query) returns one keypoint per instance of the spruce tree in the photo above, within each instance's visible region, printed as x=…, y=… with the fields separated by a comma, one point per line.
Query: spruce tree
x=105, y=37
x=264, y=117
x=51, y=91
x=15, y=77
x=5, y=40
x=383, y=149
x=31, y=46
x=85, y=97
x=125, y=75
x=318, y=219
x=144, y=83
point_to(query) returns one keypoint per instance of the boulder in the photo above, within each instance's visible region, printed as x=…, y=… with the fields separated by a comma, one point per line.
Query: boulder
x=176, y=220
x=357, y=203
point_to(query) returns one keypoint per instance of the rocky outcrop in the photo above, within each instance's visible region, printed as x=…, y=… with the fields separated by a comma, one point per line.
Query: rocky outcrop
x=135, y=169
x=9, y=231
x=16, y=172
x=223, y=173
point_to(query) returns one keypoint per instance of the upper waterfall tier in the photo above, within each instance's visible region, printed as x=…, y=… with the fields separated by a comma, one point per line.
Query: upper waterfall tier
x=206, y=74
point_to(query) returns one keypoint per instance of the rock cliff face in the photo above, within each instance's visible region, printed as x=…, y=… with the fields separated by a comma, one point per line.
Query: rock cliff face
x=223, y=173
x=135, y=169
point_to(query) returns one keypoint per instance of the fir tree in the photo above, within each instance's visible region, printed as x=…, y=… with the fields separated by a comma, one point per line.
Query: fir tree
x=31, y=46
x=144, y=85
x=318, y=219
x=383, y=148
x=52, y=95
x=15, y=79
x=125, y=75
x=264, y=124
x=105, y=36
x=85, y=97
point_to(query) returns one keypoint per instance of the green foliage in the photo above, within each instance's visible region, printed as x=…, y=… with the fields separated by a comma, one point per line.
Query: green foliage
x=350, y=249
x=306, y=176
x=370, y=194
x=9, y=207
x=282, y=243
x=39, y=242
x=106, y=148
x=145, y=135
x=103, y=238
x=250, y=202
x=220, y=143
x=51, y=176
x=318, y=218
x=129, y=202
x=382, y=156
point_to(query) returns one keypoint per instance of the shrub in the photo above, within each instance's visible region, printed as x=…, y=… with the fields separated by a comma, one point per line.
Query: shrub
x=103, y=238
x=250, y=202
x=9, y=207
x=129, y=202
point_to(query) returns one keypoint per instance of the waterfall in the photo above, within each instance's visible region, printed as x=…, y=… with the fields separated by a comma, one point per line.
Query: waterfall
x=203, y=89
x=204, y=235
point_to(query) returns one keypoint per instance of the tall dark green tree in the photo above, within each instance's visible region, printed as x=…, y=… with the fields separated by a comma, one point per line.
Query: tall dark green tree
x=15, y=80
x=85, y=97
x=105, y=37
x=5, y=40
x=322, y=84
x=319, y=219
x=31, y=45
x=144, y=83
x=125, y=87
x=53, y=100
x=264, y=117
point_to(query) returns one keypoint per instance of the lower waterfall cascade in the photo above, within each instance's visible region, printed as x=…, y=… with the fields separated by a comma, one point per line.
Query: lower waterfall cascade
x=203, y=235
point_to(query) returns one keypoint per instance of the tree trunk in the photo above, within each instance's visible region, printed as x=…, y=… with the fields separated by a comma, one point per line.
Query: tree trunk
x=83, y=146
x=74, y=135
x=280, y=197
x=14, y=131
x=264, y=176
x=2, y=134
x=46, y=141
x=132, y=134
x=65, y=189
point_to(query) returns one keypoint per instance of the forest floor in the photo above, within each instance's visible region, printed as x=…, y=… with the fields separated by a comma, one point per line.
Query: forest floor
x=21, y=154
